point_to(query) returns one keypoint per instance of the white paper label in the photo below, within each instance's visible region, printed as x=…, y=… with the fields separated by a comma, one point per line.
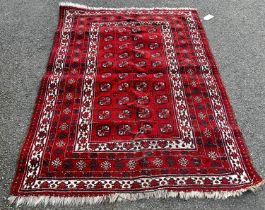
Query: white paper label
x=208, y=17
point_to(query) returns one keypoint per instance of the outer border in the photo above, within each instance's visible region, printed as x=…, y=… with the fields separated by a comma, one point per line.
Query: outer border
x=75, y=199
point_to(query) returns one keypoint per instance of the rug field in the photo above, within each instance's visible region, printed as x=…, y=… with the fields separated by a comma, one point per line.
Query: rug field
x=131, y=106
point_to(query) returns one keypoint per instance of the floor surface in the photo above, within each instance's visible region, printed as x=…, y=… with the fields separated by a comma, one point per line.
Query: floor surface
x=236, y=35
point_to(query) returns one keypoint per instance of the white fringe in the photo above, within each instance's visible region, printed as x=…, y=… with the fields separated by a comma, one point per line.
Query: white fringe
x=70, y=4
x=74, y=201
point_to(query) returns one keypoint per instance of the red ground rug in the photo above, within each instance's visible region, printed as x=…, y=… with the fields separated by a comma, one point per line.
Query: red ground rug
x=131, y=106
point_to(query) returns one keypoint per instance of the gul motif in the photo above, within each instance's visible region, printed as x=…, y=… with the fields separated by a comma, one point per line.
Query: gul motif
x=158, y=75
x=123, y=86
x=153, y=46
x=104, y=114
x=123, y=75
x=163, y=113
x=151, y=30
x=106, y=75
x=123, y=100
x=123, y=38
x=139, y=46
x=107, y=64
x=166, y=128
x=143, y=100
x=145, y=128
x=137, y=37
x=144, y=113
x=136, y=30
x=123, y=64
x=121, y=30
x=140, y=64
x=153, y=37
x=123, y=46
x=104, y=100
x=139, y=54
x=108, y=46
x=124, y=130
x=108, y=38
x=156, y=63
x=105, y=87
x=159, y=86
x=141, y=86
x=108, y=55
x=124, y=114
x=103, y=130
x=163, y=99
x=124, y=55
x=155, y=55
x=140, y=75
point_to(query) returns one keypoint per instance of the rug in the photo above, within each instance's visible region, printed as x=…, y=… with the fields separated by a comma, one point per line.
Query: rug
x=131, y=106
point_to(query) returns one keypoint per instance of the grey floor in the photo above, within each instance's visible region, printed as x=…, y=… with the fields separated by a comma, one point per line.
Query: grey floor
x=236, y=35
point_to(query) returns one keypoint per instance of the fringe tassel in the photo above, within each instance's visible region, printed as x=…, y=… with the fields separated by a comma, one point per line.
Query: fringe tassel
x=70, y=4
x=74, y=201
